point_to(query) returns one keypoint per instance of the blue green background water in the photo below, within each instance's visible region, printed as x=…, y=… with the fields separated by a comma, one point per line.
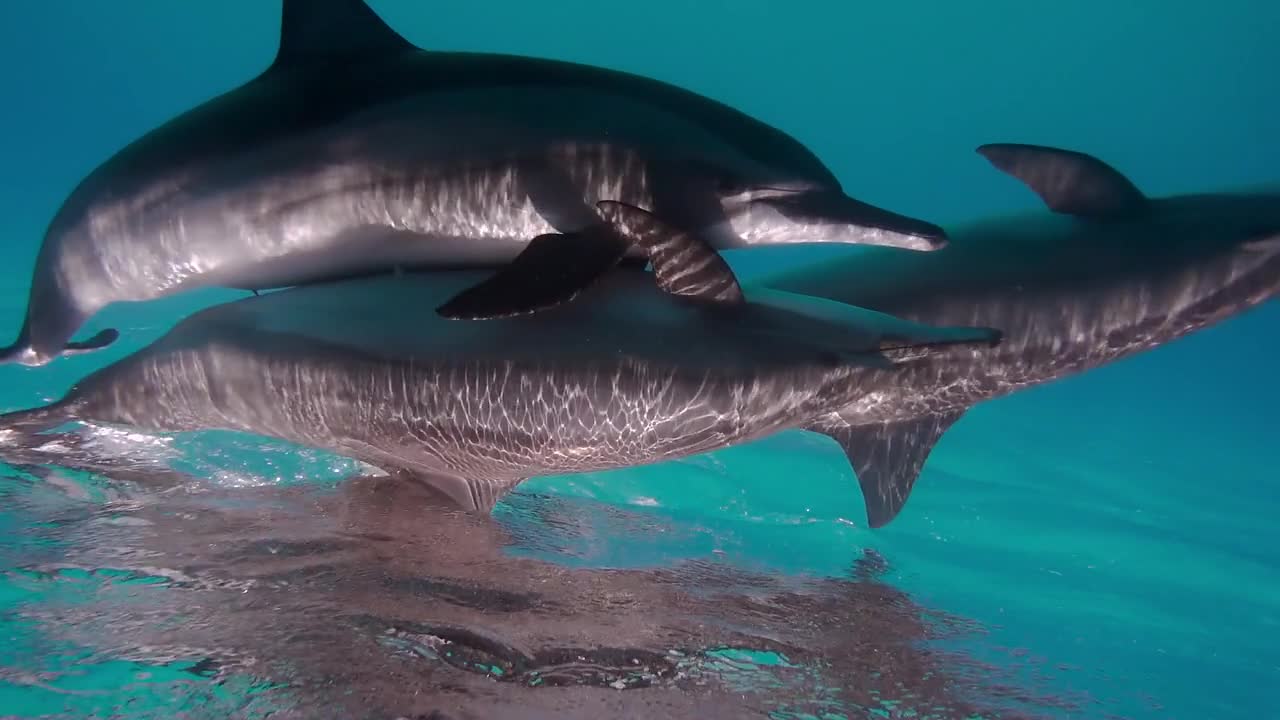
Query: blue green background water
x=1120, y=524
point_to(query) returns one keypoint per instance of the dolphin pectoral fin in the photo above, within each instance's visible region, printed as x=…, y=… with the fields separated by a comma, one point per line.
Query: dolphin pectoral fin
x=468, y=494
x=551, y=270
x=836, y=217
x=1069, y=182
x=322, y=30
x=887, y=457
x=97, y=342
x=472, y=495
x=683, y=264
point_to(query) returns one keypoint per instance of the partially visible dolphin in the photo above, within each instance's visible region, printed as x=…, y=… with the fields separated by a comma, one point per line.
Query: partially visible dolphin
x=632, y=375
x=1108, y=273
x=356, y=152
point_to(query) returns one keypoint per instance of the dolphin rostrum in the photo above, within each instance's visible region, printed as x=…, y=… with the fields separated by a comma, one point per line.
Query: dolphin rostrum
x=356, y=152
x=1109, y=273
x=633, y=374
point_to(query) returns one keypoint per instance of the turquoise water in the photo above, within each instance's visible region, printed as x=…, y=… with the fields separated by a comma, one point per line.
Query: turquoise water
x=1107, y=542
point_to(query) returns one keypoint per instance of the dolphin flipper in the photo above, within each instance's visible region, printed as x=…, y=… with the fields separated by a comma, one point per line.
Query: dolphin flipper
x=682, y=264
x=469, y=494
x=887, y=457
x=550, y=271
x=1069, y=182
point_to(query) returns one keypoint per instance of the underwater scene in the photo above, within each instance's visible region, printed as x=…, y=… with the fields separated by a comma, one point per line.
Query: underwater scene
x=401, y=359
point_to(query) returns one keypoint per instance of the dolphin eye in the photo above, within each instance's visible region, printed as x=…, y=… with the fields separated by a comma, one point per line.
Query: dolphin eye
x=727, y=185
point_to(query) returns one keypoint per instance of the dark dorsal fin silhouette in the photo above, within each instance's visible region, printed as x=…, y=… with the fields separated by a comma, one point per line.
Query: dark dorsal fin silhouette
x=321, y=30
x=1069, y=182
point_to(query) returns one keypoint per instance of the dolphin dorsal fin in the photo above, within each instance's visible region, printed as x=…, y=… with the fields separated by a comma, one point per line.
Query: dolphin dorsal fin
x=317, y=30
x=1069, y=182
x=887, y=457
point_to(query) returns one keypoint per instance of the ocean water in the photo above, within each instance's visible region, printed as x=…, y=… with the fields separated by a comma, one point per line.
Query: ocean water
x=1102, y=546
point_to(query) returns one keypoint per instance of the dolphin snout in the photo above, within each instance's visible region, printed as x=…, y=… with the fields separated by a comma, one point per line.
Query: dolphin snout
x=835, y=217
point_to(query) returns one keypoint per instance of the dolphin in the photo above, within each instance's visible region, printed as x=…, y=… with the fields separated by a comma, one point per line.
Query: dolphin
x=1107, y=273
x=642, y=370
x=356, y=152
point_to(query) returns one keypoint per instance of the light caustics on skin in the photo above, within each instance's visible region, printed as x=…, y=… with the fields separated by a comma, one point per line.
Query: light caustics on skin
x=630, y=375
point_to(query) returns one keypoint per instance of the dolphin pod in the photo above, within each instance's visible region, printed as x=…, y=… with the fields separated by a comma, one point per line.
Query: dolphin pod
x=356, y=152
x=476, y=179
x=1107, y=273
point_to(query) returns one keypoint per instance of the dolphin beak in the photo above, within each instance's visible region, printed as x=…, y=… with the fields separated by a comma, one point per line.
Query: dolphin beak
x=849, y=220
x=927, y=236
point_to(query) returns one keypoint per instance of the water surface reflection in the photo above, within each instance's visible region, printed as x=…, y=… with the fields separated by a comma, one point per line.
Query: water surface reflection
x=371, y=598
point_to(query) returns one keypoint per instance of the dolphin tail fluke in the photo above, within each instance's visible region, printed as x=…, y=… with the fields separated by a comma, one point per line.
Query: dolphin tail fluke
x=887, y=457
x=22, y=432
x=97, y=342
x=22, y=352
x=25, y=352
x=35, y=420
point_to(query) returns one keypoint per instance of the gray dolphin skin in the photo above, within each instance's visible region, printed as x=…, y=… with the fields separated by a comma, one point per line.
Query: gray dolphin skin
x=633, y=374
x=1108, y=273
x=356, y=152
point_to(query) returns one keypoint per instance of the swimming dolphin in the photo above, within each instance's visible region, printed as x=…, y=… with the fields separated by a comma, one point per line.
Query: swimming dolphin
x=1108, y=273
x=356, y=152
x=634, y=374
